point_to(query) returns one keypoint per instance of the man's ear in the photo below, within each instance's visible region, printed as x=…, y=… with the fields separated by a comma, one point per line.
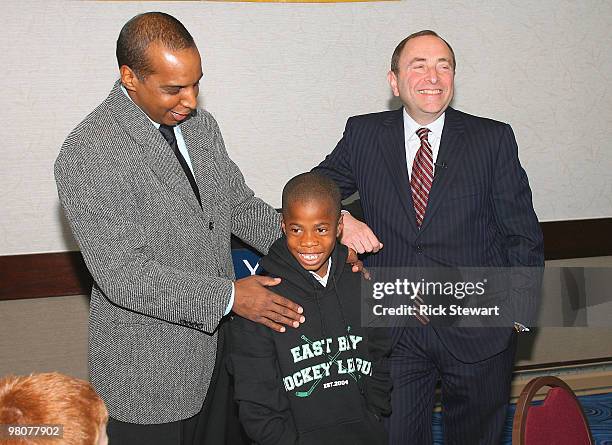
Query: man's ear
x=392, y=78
x=129, y=80
x=340, y=226
x=283, y=225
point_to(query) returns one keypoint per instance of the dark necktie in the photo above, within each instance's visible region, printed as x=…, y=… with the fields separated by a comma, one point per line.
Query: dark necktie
x=422, y=176
x=168, y=134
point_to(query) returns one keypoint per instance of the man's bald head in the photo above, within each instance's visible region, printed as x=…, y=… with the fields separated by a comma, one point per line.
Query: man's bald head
x=145, y=29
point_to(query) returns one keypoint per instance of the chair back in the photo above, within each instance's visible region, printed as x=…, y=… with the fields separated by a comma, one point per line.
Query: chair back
x=559, y=420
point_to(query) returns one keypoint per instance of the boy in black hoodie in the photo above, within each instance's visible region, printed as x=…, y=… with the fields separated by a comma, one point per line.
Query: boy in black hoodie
x=326, y=382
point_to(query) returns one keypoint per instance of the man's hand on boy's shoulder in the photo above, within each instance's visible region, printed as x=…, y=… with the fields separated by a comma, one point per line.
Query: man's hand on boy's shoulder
x=254, y=301
x=358, y=236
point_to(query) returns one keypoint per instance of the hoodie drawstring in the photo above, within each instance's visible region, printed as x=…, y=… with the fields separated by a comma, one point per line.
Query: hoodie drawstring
x=347, y=329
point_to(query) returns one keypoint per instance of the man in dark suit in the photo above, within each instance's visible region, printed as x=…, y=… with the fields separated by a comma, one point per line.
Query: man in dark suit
x=439, y=187
x=152, y=198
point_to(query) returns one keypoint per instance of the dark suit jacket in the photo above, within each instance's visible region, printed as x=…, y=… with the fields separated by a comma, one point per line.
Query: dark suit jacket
x=479, y=211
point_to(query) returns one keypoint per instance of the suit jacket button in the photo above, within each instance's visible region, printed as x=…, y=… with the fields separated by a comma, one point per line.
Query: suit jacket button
x=419, y=248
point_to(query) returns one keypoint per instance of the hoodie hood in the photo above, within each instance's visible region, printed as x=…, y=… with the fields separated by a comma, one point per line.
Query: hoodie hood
x=279, y=262
x=303, y=287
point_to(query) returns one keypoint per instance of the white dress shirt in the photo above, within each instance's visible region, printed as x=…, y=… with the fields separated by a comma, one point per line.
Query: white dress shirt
x=412, y=142
x=323, y=279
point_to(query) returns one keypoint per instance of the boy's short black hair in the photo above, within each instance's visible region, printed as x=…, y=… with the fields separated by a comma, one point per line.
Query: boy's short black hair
x=311, y=186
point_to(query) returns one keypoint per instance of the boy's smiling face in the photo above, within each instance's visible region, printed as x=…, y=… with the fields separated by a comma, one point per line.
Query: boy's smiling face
x=311, y=228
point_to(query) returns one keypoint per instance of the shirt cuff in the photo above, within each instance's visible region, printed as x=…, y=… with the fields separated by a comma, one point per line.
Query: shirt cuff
x=231, y=301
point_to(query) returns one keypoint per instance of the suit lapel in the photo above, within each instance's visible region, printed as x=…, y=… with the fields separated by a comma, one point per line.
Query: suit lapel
x=205, y=170
x=158, y=154
x=447, y=162
x=393, y=149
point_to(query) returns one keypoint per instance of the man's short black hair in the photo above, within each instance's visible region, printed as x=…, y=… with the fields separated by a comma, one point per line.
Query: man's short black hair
x=145, y=29
x=312, y=186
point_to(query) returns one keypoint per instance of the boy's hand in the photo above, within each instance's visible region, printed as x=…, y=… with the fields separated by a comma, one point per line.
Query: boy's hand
x=252, y=300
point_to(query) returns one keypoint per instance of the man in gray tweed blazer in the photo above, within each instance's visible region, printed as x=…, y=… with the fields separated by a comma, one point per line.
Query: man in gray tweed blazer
x=154, y=228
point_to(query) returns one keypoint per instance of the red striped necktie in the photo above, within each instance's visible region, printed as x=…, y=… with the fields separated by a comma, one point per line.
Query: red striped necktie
x=422, y=176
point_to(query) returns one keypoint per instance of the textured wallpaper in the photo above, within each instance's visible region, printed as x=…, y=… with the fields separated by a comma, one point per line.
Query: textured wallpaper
x=282, y=79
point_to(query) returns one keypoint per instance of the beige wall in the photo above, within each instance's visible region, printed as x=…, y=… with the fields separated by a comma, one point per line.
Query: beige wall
x=282, y=79
x=44, y=334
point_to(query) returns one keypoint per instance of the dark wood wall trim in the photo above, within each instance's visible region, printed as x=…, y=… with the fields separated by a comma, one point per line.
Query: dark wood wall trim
x=557, y=365
x=577, y=239
x=43, y=275
x=64, y=273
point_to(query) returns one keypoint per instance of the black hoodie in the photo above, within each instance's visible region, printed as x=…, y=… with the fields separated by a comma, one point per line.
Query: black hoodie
x=326, y=382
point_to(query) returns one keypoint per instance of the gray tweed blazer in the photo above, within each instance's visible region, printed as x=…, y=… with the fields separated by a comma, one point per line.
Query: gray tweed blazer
x=161, y=265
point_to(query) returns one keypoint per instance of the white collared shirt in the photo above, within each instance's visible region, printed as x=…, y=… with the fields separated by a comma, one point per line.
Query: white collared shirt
x=180, y=141
x=412, y=142
x=323, y=279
